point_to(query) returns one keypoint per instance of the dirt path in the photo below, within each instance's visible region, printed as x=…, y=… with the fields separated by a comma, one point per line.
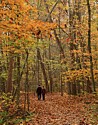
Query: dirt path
x=58, y=110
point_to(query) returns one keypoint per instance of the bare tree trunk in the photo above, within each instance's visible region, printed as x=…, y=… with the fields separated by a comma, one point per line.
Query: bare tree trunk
x=89, y=45
x=72, y=34
x=38, y=69
x=42, y=67
x=50, y=74
x=27, y=100
x=27, y=82
x=18, y=79
x=69, y=84
x=10, y=70
x=55, y=34
x=2, y=67
x=19, y=76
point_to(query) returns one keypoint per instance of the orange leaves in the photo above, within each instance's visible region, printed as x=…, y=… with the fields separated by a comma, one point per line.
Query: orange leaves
x=68, y=40
x=57, y=110
x=3, y=3
x=11, y=2
x=76, y=74
x=18, y=23
x=76, y=51
x=15, y=48
x=60, y=110
x=37, y=26
x=18, y=18
x=7, y=49
x=26, y=1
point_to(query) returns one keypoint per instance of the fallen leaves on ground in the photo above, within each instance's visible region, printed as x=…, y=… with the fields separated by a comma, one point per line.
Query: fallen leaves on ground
x=64, y=110
x=56, y=110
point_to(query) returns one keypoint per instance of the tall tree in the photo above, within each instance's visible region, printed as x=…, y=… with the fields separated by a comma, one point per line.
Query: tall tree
x=89, y=44
x=43, y=68
x=10, y=72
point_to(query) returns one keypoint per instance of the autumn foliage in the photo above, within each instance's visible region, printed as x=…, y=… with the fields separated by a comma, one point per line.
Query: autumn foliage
x=53, y=43
x=19, y=21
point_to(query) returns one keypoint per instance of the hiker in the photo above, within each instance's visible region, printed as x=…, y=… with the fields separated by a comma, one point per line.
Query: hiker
x=38, y=91
x=43, y=93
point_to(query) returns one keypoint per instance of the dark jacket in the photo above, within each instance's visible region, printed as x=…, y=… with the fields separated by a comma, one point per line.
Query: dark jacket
x=39, y=90
x=43, y=91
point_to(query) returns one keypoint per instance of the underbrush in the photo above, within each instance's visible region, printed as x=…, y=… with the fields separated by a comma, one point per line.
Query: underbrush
x=10, y=114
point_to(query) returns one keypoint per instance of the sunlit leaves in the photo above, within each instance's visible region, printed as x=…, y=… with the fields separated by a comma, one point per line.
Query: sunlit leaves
x=19, y=21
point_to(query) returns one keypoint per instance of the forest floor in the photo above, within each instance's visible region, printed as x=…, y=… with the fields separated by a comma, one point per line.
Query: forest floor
x=59, y=110
x=64, y=110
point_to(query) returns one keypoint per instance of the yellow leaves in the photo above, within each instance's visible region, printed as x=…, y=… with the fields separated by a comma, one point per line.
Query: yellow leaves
x=8, y=49
x=44, y=27
x=18, y=24
x=76, y=74
x=76, y=51
x=11, y=15
x=18, y=51
x=16, y=19
x=34, y=9
x=19, y=2
x=66, y=7
x=25, y=8
x=14, y=26
x=13, y=49
x=14, y=7
x=11, y=2
x=2, y=12
x=29, y=38
x=3, y=3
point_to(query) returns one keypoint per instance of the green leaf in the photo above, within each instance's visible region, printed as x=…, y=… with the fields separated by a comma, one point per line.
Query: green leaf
x=1, y=121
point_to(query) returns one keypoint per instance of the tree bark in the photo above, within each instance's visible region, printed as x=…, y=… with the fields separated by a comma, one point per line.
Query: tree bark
x=42, y=67
x=10, y=70
x=89, y=45
x=27, y=100
x=55, y=34
x=18, y=79
x=50, y=73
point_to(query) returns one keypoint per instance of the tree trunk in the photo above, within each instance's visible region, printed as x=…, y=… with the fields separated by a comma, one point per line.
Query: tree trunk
x=89, y=45
x=61, y=85
x=55, y=34
x=19, y=76
x=50, y=74
x=42, y=67
x=10, y=70
x=69, y=84
x=74, y=92
x=27, y=100
x=18, y=79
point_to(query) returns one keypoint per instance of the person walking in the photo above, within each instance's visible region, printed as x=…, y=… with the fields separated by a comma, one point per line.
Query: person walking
x=39, y=91
x=43, y=93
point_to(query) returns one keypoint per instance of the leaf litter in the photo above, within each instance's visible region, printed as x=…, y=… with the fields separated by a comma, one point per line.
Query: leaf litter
x=57, y=110
x=64, y=110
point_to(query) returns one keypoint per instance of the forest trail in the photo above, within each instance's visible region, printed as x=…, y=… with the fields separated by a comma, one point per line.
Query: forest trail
x=63, y=110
